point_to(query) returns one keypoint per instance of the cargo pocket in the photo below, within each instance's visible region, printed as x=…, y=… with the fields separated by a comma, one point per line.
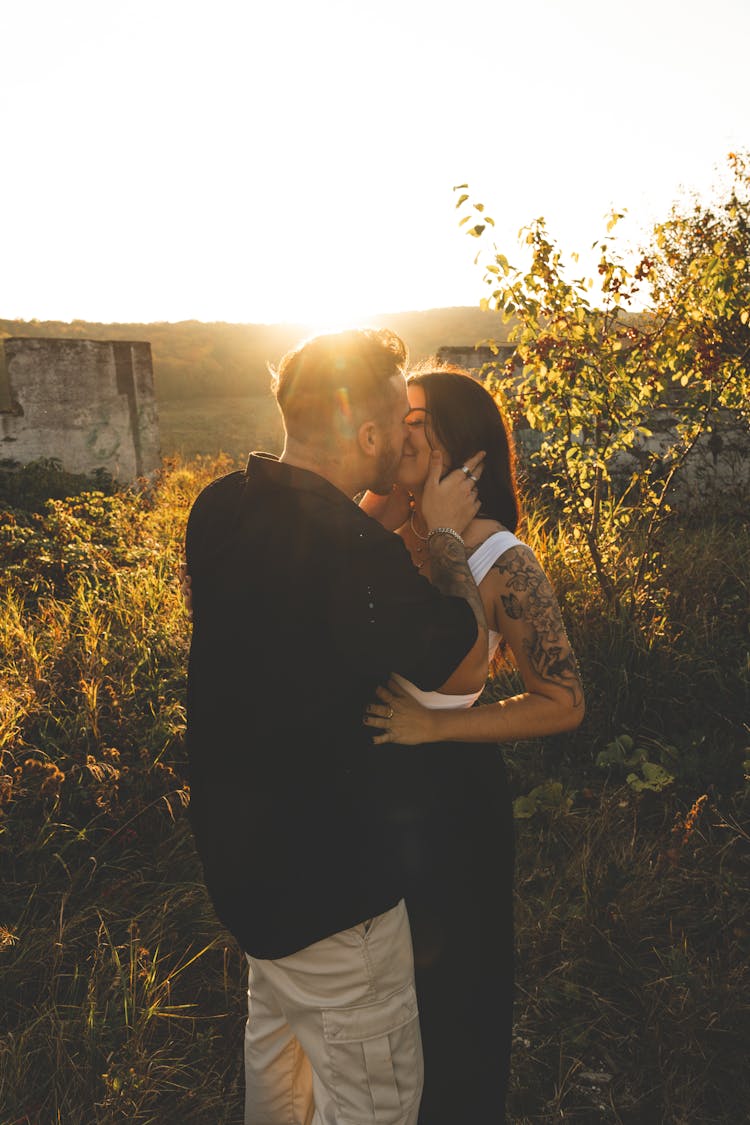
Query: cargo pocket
x=375, y=1054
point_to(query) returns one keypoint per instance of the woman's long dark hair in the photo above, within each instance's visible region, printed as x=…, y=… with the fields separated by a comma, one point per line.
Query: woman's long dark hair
x=464, y=417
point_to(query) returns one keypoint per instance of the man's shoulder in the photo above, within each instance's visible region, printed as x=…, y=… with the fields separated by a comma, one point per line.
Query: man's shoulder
x=211, y=511
x=216, y=494
x=222, y=486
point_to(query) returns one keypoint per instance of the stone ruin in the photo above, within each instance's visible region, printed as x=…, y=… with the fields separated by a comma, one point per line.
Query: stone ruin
x=87, y=404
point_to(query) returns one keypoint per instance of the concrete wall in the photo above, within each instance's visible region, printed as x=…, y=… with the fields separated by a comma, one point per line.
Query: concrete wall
x=716, y=473
x=474, y=358
x=88, y=403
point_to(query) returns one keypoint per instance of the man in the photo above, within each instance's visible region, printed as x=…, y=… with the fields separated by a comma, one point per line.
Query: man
x=302, y=604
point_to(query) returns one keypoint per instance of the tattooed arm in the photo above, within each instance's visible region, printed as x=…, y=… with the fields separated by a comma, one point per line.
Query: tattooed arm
x=528, y=616
x=449, y=571
x=450, y=502
x=530, y=621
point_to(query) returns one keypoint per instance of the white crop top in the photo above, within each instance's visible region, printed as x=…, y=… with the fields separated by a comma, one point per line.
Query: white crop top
x=485, y=556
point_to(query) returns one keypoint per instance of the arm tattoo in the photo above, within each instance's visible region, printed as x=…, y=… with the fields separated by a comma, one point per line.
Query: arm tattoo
x=450, y=572
x=530, y=599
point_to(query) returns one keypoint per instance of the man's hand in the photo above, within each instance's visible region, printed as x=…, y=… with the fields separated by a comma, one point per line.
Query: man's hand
x=452, y=501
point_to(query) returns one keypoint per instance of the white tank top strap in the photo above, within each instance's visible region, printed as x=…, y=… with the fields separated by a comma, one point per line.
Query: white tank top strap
x=487, y=553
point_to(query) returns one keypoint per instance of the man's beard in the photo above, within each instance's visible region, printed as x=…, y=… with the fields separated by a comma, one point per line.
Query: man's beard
x=386, y=469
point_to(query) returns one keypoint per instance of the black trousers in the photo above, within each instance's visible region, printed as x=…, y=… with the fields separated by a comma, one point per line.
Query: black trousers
x=457, y=843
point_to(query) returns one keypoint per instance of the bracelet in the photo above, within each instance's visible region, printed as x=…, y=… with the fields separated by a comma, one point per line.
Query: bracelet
x=445, y=531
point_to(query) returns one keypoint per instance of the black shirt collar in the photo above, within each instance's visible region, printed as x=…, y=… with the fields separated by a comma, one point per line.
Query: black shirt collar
x=267, y=467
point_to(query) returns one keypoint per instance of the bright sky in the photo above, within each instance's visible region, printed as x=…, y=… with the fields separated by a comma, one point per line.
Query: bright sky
x=294, y=160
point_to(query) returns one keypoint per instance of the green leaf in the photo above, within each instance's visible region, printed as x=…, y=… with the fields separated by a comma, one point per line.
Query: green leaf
x=524, y=807
x=550, y=795
x=655, y=778
x=656, y=775
x=616, y=752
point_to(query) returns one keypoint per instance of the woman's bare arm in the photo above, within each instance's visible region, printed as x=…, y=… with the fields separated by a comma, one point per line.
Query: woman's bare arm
x=528, y=616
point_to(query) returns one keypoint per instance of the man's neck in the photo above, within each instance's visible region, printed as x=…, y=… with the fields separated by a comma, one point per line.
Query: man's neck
x=301, y=456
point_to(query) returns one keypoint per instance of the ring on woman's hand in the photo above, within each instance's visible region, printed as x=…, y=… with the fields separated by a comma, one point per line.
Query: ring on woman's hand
x=390, y=713
x=467, y=470
x=475, y=479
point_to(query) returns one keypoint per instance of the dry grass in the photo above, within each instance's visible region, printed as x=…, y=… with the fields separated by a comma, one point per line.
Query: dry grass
x=121, y=997
x=634, y=986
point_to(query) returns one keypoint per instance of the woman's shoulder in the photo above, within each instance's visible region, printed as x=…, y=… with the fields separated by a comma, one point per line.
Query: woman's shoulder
x=480, y=530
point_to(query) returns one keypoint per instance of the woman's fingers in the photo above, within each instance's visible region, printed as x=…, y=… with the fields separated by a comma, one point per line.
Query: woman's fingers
x=475, y=463
x=394, y=690
x=389, y=712
x=384, y=709
x=476, y=459
x=376, y=716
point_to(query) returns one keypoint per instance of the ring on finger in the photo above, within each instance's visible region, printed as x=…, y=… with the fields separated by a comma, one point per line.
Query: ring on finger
x=472, y=477
x=466, y=469
x=390, y=713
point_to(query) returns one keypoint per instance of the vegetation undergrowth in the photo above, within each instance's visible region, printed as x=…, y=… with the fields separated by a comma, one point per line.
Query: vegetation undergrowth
x=123, y=999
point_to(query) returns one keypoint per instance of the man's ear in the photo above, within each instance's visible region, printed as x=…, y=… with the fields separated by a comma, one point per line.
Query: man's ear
x=367, y=437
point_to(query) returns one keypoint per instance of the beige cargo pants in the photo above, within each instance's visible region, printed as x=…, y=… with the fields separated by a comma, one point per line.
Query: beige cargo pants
x=332, y=1035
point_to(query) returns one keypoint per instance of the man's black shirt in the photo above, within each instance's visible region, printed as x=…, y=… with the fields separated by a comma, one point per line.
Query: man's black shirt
x=302, y=604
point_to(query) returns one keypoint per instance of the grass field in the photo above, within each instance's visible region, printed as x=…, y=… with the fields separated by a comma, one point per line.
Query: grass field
x=233, y=424
x=122, y=999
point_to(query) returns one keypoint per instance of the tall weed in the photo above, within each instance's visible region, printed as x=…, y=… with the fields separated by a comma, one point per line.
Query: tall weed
x=122, y=997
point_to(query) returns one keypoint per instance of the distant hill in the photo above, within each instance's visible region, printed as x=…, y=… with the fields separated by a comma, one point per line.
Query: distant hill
x=193, y=359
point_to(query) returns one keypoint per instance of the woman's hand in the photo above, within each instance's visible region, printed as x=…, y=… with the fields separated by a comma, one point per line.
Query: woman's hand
x=451, y=500
x=186, y=589
x=400, y=717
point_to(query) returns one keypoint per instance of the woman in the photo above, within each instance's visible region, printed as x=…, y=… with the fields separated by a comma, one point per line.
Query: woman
x=454, y=814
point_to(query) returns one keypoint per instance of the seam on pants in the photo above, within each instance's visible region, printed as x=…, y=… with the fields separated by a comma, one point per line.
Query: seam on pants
x=296, y=1051
x=372, y=990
